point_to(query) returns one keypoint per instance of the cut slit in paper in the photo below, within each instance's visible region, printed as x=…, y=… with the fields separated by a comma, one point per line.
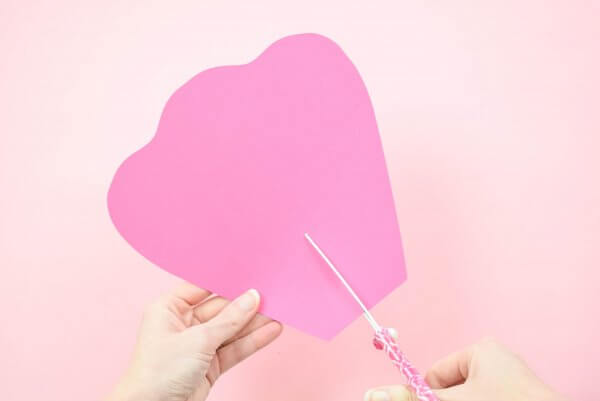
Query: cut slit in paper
x=248, y=158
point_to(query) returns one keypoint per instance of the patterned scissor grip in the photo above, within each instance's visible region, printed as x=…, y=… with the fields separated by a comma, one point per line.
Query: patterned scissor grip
x=384, y=340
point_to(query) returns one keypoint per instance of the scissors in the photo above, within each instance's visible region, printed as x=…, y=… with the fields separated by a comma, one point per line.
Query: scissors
x=384, y=339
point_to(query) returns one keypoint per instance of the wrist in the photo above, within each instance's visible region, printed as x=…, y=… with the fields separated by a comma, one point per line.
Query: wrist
x=129, y=390
x=545, y=393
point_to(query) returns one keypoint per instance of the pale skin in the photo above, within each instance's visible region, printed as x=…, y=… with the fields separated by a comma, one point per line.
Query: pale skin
x=486, y=371
x=189, y=338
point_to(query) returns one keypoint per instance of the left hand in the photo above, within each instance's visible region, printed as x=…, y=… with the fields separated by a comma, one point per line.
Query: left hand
x=187, y=340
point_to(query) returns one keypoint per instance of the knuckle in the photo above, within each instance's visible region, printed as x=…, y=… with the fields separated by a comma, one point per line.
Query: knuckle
x=229, y=322
x=233, y=323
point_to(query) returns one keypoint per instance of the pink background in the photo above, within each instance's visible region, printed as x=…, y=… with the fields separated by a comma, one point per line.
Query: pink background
x=490, y=124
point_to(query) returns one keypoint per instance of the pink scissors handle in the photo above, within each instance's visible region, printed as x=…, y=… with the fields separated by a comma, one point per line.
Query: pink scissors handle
x=384, y=340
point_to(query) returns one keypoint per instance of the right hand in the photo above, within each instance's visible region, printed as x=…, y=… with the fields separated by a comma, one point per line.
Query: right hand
x=486, y=371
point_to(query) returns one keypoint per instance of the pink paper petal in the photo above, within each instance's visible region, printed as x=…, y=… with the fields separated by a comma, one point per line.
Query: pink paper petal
x=247, y=159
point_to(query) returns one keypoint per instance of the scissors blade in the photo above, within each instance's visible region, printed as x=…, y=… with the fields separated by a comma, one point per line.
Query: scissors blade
x=366, y=312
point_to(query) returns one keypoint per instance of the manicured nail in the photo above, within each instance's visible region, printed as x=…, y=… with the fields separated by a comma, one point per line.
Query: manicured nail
x=377, y=395
x=249, y=300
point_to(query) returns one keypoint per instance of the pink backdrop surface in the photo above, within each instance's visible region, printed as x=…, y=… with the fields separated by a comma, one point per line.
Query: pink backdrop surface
x=490, y=125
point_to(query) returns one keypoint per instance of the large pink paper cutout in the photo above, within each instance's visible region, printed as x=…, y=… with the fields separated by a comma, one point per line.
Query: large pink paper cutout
x=247, y=159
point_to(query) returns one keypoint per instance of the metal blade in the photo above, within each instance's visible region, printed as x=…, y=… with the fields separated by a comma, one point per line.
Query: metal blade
x=366, y=312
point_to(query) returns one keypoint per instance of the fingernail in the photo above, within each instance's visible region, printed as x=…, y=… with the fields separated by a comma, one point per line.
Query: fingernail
x=249, y=300
x=377, y=395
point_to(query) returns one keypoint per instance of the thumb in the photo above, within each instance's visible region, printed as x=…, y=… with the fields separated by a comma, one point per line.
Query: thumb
x=403, y=393
x=459, y=392
x=229, y=321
